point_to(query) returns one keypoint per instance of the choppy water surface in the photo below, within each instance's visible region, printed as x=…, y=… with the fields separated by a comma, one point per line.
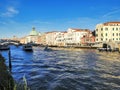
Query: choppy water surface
x=66, y=69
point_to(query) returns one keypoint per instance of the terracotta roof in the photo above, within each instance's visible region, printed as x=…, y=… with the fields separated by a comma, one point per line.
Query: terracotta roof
x=51, y=32
x=64, y=32
x=108, y=23
x=75, y=29
x=79, y=30
x=82, y=30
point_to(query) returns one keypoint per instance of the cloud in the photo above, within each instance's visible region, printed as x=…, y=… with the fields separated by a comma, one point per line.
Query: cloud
x=111, y=13
x=10, y=12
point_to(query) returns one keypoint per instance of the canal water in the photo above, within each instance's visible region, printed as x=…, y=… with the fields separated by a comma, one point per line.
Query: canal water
x=66, y=69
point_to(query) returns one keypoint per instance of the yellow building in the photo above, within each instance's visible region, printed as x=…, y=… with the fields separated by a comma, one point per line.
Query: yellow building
x=108, y=32
x=22, y=40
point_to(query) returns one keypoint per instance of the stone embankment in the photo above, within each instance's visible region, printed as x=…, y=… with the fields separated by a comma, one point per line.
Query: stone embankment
x=6, y=80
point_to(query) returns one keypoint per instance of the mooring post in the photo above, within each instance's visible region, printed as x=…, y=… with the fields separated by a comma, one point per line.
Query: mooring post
x=10, y=64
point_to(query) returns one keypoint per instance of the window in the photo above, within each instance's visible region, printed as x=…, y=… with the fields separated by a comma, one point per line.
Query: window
x=101, y=39
x=96, y=35
x=106, y=39
x=113, y=38
x=116, y=34
x=106, y=34
x=96, y=29
x=113, y=29
x=116, y=38
x=113, y=34
x=101, y=29
x=116, y=28
x=96, y=39
x=106, y=28
x=101, y=34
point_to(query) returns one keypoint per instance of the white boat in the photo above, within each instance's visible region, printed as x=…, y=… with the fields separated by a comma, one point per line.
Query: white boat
x=4, y=47
x=27, y=47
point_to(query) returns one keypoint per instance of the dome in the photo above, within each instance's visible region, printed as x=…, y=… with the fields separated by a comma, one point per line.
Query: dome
x=33, y=32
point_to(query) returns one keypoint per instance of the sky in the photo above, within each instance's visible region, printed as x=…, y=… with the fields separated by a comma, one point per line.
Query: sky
x=17, y=17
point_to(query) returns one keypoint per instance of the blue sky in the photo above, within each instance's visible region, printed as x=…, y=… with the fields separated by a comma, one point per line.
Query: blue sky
x=17, y=17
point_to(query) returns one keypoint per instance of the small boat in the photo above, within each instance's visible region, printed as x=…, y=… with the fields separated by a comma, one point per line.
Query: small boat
x=47, y=49
x=105, y=49
x=4, y=47
x=27, y=47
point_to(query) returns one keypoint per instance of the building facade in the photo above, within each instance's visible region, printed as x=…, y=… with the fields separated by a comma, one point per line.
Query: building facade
x=73, y=36
x=42, y=39
x=60, y=38
x=22, y=40
x=51, y=38
x=106, y=32
x=88, y=39
x=33, y=37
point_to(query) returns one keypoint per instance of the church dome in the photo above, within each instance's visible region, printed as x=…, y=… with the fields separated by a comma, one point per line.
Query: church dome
x=33, y=32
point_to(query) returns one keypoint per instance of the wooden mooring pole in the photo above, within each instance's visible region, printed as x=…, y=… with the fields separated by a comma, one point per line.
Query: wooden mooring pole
x=10, y=64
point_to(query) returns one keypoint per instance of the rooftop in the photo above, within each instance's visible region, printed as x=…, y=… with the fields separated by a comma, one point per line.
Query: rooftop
x=111, y=23
x=33, y=32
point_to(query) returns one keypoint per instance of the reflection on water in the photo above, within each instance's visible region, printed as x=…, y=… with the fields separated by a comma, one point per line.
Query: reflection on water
x=66, y=69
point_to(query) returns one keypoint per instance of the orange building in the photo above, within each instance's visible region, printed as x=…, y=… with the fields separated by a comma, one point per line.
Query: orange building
x=42, y=39
x=88, y=39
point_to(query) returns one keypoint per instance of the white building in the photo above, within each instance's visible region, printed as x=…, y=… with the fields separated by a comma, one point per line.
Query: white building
x=109, y=31
x=68, y=38
x=51, y=38
x=73, y=36
x=60, y=38
x=32, y=37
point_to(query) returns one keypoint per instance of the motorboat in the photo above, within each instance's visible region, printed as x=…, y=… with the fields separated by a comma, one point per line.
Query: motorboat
x=4, y=47
x=27, y=47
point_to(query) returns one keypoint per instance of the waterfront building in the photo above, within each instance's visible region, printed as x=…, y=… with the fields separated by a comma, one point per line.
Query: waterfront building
x=73, y=36
x=88, y=39
x=68, y=38
x=42, y=39
x=51, y=38
x=22, y=40
x=33, y=37
x=60, y=38
x=108, y=32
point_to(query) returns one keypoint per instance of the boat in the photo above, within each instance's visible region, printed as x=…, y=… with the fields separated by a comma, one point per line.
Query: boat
x=4, y=47
x=47, y=49
x=105, y=49
x=27, y=47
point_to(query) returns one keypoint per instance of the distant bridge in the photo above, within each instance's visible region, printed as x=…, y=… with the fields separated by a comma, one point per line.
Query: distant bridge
x=14, y=42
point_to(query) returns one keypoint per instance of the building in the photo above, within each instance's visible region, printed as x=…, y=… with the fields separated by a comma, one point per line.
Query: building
x=42, y=39
x=60, y=39
x=88, y=39
x=108, y=32
x=33, y=37
x=22, y=40
x=51, y=38
x=73, y=36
